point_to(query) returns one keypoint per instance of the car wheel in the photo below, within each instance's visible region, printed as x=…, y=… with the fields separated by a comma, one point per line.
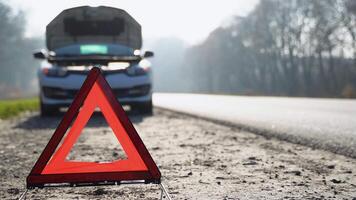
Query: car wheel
x=48, y=110
x=145, y=108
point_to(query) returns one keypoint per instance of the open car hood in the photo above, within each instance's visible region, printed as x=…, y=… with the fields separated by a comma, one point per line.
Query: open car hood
x=86, y=25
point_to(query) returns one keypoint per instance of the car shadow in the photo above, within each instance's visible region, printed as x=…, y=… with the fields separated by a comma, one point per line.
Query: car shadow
x=51, y=122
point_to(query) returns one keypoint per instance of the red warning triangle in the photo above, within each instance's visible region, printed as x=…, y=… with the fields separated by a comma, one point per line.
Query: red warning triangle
x=52, y=166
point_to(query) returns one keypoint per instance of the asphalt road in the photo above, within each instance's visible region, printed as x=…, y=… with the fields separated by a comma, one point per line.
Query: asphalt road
x=328, y=124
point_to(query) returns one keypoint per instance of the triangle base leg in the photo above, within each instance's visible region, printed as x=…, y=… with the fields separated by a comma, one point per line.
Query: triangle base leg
x=23, y=195
x=164, y=192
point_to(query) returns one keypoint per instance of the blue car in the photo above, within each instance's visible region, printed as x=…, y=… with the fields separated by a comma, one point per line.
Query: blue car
x=83, y=37
x=130, y=80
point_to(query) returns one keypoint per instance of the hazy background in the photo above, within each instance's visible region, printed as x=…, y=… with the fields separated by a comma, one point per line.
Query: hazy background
x=268, y=47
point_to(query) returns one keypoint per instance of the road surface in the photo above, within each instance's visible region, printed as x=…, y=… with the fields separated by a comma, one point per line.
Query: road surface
x=198, y=159
x=328, y=124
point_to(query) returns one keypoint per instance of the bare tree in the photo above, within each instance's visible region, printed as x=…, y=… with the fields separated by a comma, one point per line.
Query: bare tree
x=294, y=47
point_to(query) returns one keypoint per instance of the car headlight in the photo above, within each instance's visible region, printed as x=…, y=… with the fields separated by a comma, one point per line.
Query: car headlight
x=141, y=69
x=137, y=71
x=55, y=71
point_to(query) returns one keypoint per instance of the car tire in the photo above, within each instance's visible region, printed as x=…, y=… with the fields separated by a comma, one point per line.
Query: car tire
x=48, y=110
x=145, y=108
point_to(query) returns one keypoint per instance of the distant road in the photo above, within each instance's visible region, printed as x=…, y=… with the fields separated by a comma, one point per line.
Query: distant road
x=328, y=124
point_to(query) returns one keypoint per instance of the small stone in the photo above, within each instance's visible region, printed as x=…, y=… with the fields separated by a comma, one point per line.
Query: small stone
x=295, y=172
x=250, y=163
x=331, y=166
x=335, y=181
x=200, y=181
x=99, y=191
x=190, y=173
x=13, y=191
x=156, y=148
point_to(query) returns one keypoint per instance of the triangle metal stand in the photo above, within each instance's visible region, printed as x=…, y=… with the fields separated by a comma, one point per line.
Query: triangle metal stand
x=163, y=190
x=164, y=193
x=23, y=195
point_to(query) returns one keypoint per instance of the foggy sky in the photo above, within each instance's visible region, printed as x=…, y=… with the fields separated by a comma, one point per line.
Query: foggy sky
x=188, y=20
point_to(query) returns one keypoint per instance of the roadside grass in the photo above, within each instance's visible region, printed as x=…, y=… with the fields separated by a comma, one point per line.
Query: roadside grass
x=11, y=108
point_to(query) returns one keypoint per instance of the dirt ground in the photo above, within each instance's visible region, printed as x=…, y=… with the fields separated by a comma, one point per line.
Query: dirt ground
x=198, y=159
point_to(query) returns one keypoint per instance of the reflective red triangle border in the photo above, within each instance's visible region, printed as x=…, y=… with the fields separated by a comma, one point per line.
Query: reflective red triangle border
x=37, y=179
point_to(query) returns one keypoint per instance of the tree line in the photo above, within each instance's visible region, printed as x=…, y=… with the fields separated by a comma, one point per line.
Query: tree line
x=288, y=48
x=17, y=67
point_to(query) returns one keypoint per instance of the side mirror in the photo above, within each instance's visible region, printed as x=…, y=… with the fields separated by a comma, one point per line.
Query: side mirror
x=40, y=55
x=148, y=54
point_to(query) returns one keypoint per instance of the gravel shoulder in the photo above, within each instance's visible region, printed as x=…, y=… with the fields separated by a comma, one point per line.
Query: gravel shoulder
x=199, y=159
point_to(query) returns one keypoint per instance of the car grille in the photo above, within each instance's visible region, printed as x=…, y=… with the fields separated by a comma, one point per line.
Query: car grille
x=104, y=72
x=59, y=93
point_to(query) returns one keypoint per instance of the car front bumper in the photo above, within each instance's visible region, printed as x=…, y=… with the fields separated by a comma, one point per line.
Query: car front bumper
x=123, y=101
x=128, y=90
